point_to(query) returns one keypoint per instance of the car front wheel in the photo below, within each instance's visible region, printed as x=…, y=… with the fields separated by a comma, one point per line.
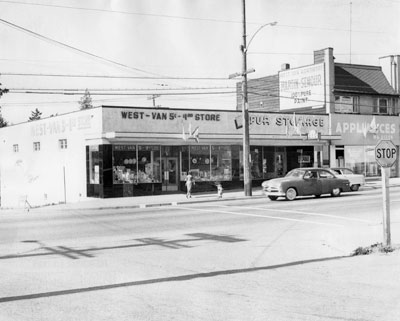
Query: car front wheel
x=291, y=194
x=355, y=187
x=336, y=192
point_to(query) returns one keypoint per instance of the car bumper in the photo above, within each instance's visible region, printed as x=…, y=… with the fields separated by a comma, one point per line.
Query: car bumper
x=268, y=192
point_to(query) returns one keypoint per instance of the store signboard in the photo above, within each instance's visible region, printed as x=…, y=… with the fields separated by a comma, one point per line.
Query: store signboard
x=195, y=123
x=302, y=87
x=365, y=129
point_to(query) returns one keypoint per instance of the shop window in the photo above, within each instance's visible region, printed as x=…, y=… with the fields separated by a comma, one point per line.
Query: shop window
x=15, y=148
x=256, y=164
x=149, y=167
x=124, y=164
x=361, y=159
x=237, y=162
x=268, y=162
x=200, y=163
x=36, y=146
x=381, y=106
x=94, y=165
x=221, y=163
x=62, y=143
x=185, y=162
x=347, y=104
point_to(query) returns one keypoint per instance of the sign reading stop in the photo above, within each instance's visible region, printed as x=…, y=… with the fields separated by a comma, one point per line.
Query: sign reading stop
x=386, y=153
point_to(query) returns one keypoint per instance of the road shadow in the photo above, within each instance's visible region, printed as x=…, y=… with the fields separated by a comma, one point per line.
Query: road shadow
x=189, y=241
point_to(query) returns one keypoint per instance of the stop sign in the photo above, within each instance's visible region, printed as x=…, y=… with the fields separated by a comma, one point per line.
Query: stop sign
x=386, y=153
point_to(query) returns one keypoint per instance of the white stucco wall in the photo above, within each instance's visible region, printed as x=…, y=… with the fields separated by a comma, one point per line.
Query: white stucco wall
x=38, y=176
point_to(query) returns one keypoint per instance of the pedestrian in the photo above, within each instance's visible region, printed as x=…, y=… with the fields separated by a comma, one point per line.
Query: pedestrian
x=220, y=190
x=189, y=185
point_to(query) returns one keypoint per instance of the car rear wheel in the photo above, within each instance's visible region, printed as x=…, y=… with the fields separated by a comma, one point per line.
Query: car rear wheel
x=273, y=198
x=336, y=192
x=291, y=194
x=355, y=187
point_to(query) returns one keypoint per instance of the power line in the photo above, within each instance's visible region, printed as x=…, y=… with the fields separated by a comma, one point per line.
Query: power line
x=121, y=89
x=56, y=42
x=117, y=94
x=125, y=12
x=110, y=76
x=177, y=17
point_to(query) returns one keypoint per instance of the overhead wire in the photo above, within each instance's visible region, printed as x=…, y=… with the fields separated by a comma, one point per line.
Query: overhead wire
x=80, y=51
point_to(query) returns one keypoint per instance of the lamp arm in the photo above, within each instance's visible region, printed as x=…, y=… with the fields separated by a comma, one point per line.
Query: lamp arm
x=258, y=30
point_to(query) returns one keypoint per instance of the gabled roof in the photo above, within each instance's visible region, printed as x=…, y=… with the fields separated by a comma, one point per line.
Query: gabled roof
x=361, y=79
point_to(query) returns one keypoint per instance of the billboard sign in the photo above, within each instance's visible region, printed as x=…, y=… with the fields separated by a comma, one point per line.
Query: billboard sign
x=302, y=87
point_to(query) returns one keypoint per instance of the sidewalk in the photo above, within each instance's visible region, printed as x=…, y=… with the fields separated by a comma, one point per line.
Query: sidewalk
x=177, y=199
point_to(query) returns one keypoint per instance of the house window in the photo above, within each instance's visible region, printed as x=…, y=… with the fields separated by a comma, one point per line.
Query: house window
x=36, y=146
x=15, y=148
x=381, y=106
x=347, y=104
x=62, y=143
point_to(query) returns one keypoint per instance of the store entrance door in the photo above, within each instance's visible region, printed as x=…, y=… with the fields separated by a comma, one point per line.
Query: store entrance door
x=280, y=162
x=169, y=168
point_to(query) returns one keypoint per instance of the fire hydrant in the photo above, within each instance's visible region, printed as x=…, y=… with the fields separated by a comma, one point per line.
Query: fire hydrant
x=220, y=190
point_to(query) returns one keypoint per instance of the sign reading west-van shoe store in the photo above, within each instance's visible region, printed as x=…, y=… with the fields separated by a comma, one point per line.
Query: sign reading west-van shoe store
x=365, y=129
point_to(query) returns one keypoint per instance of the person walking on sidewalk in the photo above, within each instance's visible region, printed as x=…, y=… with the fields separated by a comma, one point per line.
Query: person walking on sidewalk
x=189, y=185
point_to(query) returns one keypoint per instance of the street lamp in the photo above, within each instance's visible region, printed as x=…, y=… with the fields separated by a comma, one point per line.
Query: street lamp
x=245, y=110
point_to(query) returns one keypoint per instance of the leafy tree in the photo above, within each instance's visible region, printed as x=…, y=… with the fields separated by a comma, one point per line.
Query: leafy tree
x=35, y=115
x=3, y=122
x=86, y=101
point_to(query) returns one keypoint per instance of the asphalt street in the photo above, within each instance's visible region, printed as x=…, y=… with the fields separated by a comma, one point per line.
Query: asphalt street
x=250, y=259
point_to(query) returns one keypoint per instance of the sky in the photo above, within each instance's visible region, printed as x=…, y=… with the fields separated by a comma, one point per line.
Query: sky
x=183, y=51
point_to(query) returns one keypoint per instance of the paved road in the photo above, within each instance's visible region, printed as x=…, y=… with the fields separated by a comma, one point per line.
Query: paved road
x=236, y=260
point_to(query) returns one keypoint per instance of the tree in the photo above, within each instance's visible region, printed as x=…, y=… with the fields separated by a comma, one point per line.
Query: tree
x=35, y=115
x=86, y=101
x=3, y=122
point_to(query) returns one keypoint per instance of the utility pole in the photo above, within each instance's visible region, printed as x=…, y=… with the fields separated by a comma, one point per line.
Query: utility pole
x=245, y=114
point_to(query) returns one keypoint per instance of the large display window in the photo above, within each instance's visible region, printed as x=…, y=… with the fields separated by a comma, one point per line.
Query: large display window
x=361, y=159
x=124, y=164
x=221, y=163
x=149, y=167
x=200, y=162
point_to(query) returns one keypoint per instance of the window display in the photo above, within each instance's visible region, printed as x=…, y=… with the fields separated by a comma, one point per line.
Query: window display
x=221, y=163
x=361, y=159
x=149, y=169
x=200, y=162
x=125, y=164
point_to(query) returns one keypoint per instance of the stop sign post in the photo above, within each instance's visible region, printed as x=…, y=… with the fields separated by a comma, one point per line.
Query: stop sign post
x=386, y=156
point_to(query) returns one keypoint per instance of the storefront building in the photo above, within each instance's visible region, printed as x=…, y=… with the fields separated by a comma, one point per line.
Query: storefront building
x=121, y=151
x=362, y=103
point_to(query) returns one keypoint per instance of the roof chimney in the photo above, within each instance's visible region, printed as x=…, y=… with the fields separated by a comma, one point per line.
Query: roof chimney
x=285, y=66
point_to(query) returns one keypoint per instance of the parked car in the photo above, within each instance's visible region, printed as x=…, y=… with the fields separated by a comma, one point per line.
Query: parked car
x=356, y=180
x=305, y=181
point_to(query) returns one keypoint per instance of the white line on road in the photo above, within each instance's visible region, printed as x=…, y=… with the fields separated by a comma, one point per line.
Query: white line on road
x=258, y=215
x=303, y=213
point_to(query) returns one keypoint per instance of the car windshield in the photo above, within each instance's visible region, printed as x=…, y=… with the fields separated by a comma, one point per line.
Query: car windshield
x=347, y=171
x=295, y=173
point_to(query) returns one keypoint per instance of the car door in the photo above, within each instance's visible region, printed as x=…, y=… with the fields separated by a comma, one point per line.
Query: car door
x=328, y=181
x=311, y=183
